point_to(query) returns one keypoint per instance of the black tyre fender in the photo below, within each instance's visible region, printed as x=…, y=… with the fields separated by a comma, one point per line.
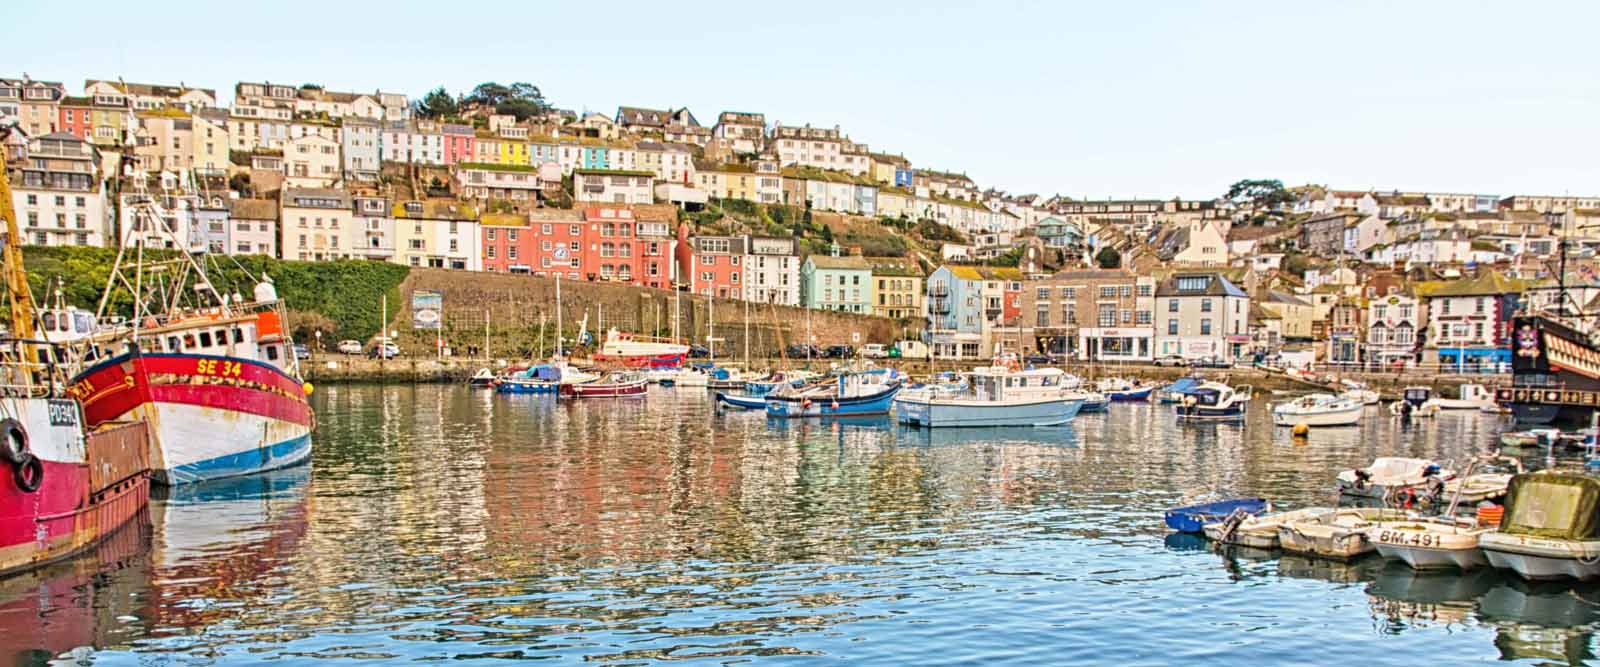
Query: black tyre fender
x=13, y=441
x=28, y=474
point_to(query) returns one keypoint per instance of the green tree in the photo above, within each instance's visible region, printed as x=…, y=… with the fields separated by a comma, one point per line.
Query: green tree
x=437, y=104
x=522, y=100
x=1259, y=194
x=1108, y=258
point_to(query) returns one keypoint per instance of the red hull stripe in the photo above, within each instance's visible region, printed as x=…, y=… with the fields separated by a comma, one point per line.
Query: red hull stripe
x=115, y=387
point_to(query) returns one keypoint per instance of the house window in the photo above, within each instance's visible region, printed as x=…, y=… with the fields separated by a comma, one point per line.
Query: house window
x=1172, y=327
x=1172, y=305
x=1108, y=315
x=1205, y=326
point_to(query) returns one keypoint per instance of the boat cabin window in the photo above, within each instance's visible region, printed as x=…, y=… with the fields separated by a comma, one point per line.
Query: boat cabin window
x=272, y=353
x=49, y=319
x=1047, y=382
x=188, y=341
x=222, y=336
x=238, y=335
x=172, y=344
x=205, y=339
x=1207, y=397
x=82, y=323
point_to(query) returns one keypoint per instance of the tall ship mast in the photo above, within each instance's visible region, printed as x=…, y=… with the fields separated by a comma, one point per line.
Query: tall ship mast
x=1555, y=360
x=214, y=374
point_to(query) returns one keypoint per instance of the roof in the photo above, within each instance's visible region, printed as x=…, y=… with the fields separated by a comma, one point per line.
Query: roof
x=894, y=266
x=655, y=213
x=643, y=116
x=486, y=166
x=503, y=220
x=338, y=194
x=1487, y=283
x=558, y=215
x=999, y=273
x=436, y=209
x=253, y=209
x=614, y=172
x=846, y=262
x=1093, y=274
x=1218, y=285
x=1274, y=296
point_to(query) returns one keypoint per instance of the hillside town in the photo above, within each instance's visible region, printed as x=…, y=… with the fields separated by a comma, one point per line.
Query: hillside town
x=744, y=207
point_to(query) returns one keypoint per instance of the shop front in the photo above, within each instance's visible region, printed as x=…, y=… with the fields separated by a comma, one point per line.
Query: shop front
x=1474, y=360
x=1116, y=344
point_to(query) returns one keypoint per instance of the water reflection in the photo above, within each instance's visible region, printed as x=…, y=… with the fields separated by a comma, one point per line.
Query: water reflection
x=447, y=523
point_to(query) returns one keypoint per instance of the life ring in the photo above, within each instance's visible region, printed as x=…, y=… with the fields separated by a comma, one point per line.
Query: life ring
x=1405, y=498
x=805, y=404
x=13, y=441
x=28, y=474
x=834, y=405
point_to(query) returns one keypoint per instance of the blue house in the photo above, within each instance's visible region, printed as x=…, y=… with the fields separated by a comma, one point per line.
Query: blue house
x=956, y=314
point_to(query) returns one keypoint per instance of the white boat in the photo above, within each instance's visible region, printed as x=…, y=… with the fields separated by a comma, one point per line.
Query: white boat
x=1260, y=532
x=1340, y=534
x=1318, y=410
x=1472, y=397
x=1359, y=392
x=1447, y=540
x=688, y=377
x=1551, y=528
x=1431, y=542
x=1389, y=474
x=1035, y=397
x=640, y=351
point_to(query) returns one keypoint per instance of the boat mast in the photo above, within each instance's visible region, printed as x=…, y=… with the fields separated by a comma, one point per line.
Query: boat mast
x=711, y=328
x=747, y=332
x=18, y=295
x=560, y=349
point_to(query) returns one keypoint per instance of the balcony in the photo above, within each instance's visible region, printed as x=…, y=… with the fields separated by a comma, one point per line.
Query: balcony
x=938, y=290
x=939, y=305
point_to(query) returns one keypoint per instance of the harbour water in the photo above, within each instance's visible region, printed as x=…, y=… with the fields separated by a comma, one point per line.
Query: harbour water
x=440, y=522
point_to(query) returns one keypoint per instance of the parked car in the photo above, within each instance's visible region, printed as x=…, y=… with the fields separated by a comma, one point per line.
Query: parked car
x=1036, y=358
x=1171, y=360
x=1210, y=362
x=803, y=351
x=383, y=350
x=350, y=346
x=874, y=351
x=698, y=352
x=839, y=352
x=910, y=349
x=301, y=352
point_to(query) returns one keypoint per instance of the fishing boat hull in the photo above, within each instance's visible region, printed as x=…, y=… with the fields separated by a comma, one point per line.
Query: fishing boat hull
x=828, y=406
x=605, y=389
x=742, y=402
x=1338, y=535
x=86, y=488
x=927, y=410
x=1094, y=404
x=210, y=416
x=515, y=386
x=1542, y=559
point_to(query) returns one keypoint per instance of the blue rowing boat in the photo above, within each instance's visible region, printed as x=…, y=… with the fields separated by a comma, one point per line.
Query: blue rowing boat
x=742, y=402
x=1193, y=518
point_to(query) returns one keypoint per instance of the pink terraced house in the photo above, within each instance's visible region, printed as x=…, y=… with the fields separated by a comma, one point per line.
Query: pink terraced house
x=460, y=143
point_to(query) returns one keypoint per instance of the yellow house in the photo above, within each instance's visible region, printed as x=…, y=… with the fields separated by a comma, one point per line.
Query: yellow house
x=211, y=140
x=488, y=148
x=514, y=151
x=896, y=287
x=1298, y=315
x=726, y=181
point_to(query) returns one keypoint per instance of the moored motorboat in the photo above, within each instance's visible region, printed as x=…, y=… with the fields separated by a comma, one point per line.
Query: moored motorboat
x=543, y=379
x=1194, y=518
x=1551, y=527
x=1469, y=397
x=1340, y=534
x=1174, y=393
x=792, y=378
x=1360, y=392
x=1260, y=531
x=1431, y=542
x=482, y=378
x=616, y=384
x=1034, y=397
x=1214, y=401
x=1391, y=474
x=1318, y=410
x=849, y=394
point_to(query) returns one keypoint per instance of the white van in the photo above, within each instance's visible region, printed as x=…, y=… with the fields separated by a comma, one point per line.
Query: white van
x=874, y=351
x=912, y=349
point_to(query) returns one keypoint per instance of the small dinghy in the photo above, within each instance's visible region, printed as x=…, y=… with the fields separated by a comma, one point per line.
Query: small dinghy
x=1389, y=474
x=1340, y=534
x=1551, y=527
x=741, y=402
x=1260, y=531
x=483, y=378
x=1318, y=410
x=1431, y=543
x=1194, y=518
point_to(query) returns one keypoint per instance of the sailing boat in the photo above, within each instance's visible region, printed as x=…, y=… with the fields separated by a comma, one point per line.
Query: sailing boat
x=217, y=380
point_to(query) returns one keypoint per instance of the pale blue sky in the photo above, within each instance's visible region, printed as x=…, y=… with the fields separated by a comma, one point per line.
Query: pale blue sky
x=1091, y=99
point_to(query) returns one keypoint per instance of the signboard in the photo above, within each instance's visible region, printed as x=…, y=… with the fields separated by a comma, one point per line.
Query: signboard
x=427, y=309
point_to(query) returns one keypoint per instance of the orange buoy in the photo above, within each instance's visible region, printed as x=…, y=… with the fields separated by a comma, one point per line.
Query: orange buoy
x=1490, y=514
